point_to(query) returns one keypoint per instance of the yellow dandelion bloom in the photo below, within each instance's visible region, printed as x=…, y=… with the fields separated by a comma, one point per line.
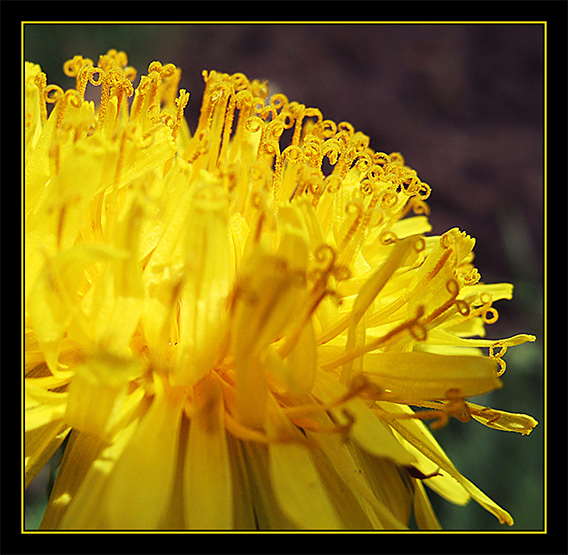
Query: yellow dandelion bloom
x=243, y=327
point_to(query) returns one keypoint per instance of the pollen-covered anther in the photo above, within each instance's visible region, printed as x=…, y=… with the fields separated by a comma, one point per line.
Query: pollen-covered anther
x=113, y=78
x=472, y=277
x=74, y=68
x=53, y=94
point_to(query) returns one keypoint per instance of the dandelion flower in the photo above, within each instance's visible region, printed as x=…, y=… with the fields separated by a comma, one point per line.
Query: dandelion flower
x=243, y=327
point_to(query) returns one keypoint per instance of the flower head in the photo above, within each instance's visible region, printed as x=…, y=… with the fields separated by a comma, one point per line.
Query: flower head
x=244, y=326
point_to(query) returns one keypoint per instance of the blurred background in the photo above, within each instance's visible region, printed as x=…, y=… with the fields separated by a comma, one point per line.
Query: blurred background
x=464, y=105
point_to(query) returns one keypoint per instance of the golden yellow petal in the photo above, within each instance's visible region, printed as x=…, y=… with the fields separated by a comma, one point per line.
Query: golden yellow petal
x=416, y=376
x=114, y=305
x=208, y=497
x=410, y=431
x=501, y=420
x=367, y=294
x=268, y=515
x=297, y=373
x=390, y=483
x=39, y=446
x=343, y=457
x=140, y=484
x=243, y=509
x=352, y=508
x=160, y=150
x=367, y=429
x=55, y=295
x=443, y=483
x=33, y=121
x=203, y=298
x=443, y=337
x=82, y=482
x=80, y=452
x=298, y=487
x=98, y=392
x=295, y=480
x=423, y=511
x=42, y=406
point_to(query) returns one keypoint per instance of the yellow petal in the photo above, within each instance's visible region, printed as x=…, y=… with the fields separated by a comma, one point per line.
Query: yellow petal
x=268, y=515
x=297, y=373
x=33, y=121
x=98, y=392
x=390, y=483
x=501, y=420
x=203, y=299
x=140, y=485
x=82, y=482
x=243, y=510
x=443, y=483
x=411, y=431
x=56, y=294
x=443, y=337
x=423, y=512
x=116, y=303
x=208, y=502
x=42, y=406
x=80, y=452
x=161, y=149
x=269, y=299
x=349, y=468
x=414, y=377
x=367, y=294
x=367, y=429
x=39, y=446
x=298, y=488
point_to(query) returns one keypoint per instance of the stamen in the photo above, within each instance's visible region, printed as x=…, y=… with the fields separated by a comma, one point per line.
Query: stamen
x=113, y=78
x=61, y=99
x=75, y=68
x=356, y=209
x=240, y=431
x=472, y=277
x=53, y=94
x=490, y=316
x=424, y=191
x=388, y=199
x=358, y=386
x=41, y=82
x=453, y=288
x=498, y=357
x=388, y=238
x=181, y=103
x=415, y=328
x=440, y=411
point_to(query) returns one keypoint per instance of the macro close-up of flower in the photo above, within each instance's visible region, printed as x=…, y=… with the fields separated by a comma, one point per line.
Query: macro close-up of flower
x=242, y=324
